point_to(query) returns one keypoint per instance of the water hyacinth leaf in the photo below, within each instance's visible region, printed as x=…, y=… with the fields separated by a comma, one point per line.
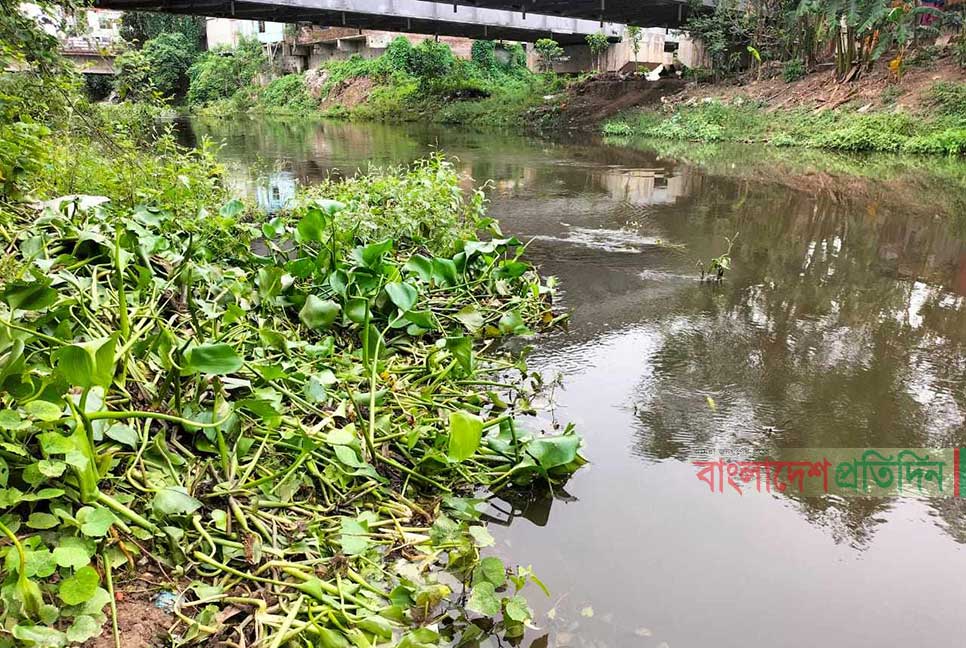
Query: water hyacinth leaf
x=444, y=272
x=123, y=434
x=174, y=500
x=273, y=228
x=312, y=225
x=232, y=209
x=357, y=310
x=4, y=472
x=511, y=323
x=462, y=349
x=32, y=295
x=43, y=411
x=218, y=359
x=420, y=266
x=88, y=364
x=402, y=295
x=319, y=313
x=377, y=625
x=370, y=255
x=329, y=638
x=551, y=452
x=270, y=281
x=13, y=421
x=80, y=587
x=470, y=317
x=329, y=206
x=42, y=521
x=481, y=537
x=484, y=600
x=51, y=468
x=465, y=432
x=354, y=537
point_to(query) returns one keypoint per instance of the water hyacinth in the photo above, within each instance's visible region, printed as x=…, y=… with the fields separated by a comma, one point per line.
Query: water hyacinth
x=286, y=423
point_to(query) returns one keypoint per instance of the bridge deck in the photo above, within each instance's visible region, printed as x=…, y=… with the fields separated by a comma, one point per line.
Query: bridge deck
x=414, y=16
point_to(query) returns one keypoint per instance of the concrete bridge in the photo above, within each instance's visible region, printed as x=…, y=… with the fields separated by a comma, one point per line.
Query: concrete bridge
x=526, y=22
x=90, y=59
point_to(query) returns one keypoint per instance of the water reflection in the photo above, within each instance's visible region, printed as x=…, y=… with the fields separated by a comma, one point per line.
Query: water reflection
x=843, y=324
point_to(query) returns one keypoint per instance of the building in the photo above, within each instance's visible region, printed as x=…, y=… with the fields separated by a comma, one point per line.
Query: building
x=227, y=31
x=657, y=46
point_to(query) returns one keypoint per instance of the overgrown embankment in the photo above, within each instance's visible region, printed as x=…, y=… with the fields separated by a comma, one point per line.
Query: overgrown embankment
x=923, y=112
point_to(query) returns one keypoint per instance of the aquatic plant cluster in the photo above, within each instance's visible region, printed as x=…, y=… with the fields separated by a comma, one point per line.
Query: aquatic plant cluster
x=287, y=422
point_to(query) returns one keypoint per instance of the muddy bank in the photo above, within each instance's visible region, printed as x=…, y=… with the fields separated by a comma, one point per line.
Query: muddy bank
x=586, y=104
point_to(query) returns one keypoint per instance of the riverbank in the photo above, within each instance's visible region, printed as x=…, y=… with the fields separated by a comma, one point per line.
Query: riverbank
x=923, y=113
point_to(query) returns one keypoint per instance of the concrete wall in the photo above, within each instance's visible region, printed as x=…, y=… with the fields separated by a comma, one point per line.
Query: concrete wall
x=620, y=56
x=336, y=43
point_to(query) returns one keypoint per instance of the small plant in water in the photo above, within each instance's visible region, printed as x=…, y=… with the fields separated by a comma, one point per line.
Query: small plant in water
x=716, y=267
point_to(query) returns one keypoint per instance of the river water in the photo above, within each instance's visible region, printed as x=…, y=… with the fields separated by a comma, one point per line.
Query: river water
x=841, y=324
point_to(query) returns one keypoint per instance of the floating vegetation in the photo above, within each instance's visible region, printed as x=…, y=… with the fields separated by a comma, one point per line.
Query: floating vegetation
x=285, y=424
x=716, y=267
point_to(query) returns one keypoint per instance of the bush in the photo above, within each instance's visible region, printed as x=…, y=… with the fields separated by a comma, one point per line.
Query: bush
x=287, y=93
x=98, y=86
x=430, y=60
x=132, y=76
x=397, y=54
x=169, y=57
x=220, y=73
x=22, y=152
x=793, y=70
x=620, y=128
x=951, y=141
x=949, y=98
x=867, y=133
x=483, y=53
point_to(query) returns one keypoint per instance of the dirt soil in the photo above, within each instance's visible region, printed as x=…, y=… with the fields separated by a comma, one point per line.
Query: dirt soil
x=820, y=90
x=348, y=94
x=140, y=623
x=593, y=100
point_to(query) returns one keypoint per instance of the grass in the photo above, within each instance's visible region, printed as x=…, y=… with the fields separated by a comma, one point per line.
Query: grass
x=842, y=129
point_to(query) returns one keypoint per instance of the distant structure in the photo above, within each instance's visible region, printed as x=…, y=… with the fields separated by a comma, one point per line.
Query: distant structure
x=657, y=46
x=227, y=31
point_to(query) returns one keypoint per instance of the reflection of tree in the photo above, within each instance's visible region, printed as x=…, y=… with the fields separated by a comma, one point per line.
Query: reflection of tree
x=821, y=337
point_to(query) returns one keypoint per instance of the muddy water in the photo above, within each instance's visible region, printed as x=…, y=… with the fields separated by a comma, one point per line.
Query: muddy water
x=842, y=324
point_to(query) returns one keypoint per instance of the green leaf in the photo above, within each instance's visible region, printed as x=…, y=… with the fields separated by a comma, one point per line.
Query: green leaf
x=483, y=600
x=420, y=266
x=551, y=452
x=490, y=570
x=123, y=434
x=402, y=295
x=89, y=364
x=462, y=349
x=232, y=208
x=312, y=226
x=330, y=207
x=73, y=552
x=481, y=537
x=319, y=313
x=354, y=537
x=41, y=521
x=32, y=295
x=96, y=522
x=517, y=609
x=512, y=324
x=174, y=500
x=465, y=431
x=39, y=636
x=43, y=410
x=51, y=468
x=84, y=627
x=470, y=317
x=79, y=587
x=218, y=359
x=371, y=255
x=12, y=420
x=444, y=272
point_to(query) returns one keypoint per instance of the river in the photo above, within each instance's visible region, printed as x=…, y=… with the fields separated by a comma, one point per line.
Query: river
x=841, y=324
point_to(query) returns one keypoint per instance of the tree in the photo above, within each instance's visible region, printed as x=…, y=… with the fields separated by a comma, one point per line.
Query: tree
x=220, y=73
x=169, y=57
x=597, y=43
x=634, y=35
x=132, y=76
x=548, y=51
x=140, y=26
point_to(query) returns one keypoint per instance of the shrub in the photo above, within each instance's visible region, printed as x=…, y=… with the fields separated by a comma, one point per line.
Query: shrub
x=430, y=59
x=397, y=54
x=949, y=98
x=793, y=70
x=867, y=133
x=483, y=53
x=22, y=150
x=98, y=86
x=221, y=72
x=132, y=76
x=951, y=141
x=548, y=51
x=169, y=57
x=287, y=93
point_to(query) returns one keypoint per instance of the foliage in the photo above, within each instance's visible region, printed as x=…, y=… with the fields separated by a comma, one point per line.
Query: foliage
x=132, y=76
x=98, y=86
x=598, y=44
x=793, y=70
x=483, y=53
x=169, y=57
x=289, y=423
x=716, y=268
x=430, y=60
x=634, y=36
x=949, y=98
x=219, y=73
x=548, y=51
x=287, y=94
x=141, y=26
x=398, y=53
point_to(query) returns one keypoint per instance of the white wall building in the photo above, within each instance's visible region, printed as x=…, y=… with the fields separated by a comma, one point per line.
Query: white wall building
x=226, y=31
